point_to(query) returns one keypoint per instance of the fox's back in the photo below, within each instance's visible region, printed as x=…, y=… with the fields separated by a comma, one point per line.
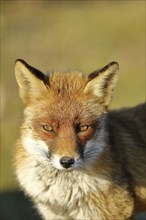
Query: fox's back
x=128, y=142
x=128, y=127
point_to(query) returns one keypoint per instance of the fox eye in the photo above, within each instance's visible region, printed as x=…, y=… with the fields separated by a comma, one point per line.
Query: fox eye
x=48, y=128
x=83, y=127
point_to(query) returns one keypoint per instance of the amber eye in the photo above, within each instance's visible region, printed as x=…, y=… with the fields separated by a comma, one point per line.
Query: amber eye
x=48, y=128
x=83, y=127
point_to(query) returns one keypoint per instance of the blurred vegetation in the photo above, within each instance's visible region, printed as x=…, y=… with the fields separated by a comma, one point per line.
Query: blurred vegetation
x=83, y=35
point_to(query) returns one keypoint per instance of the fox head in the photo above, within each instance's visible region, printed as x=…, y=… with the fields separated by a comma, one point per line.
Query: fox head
x=64, y=113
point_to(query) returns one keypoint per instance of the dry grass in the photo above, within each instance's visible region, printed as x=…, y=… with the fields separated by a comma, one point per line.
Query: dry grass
x=80, y=35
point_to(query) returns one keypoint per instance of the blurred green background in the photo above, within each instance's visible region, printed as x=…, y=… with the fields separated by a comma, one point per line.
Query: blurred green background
x=60, y=35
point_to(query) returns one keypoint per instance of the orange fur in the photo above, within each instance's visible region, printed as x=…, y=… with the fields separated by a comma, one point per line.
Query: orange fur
x=90, y=163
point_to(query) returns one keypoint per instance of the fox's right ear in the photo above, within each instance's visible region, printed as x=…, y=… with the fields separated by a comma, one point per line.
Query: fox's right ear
x=101, y=83
x=32, y=83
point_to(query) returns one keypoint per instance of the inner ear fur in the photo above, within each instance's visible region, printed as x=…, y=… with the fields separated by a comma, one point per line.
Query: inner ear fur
x=32, y=82
x=101, y=83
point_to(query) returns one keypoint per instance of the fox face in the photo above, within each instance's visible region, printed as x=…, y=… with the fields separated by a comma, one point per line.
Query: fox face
x=64, y=114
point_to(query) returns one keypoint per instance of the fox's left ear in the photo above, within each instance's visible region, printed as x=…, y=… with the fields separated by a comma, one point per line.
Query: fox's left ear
x=102, y=82
x=32, y=82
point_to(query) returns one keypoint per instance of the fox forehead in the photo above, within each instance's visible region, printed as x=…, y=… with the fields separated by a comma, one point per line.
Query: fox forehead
x=67, y=82
x=65, y=99
x=65, y=91
x=62, y=111
x=58, y=109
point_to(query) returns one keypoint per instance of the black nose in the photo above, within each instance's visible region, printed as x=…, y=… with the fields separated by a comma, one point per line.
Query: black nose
x=66, y=162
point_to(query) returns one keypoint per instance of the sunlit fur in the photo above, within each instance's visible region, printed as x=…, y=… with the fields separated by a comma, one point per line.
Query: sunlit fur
x=106, y=180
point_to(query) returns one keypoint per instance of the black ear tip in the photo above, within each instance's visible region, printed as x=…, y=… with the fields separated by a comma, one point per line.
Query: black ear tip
x=21, y=61
x=113, y=63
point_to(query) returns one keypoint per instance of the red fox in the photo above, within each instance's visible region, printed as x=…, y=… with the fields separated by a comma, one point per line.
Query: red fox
x=75, y=159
